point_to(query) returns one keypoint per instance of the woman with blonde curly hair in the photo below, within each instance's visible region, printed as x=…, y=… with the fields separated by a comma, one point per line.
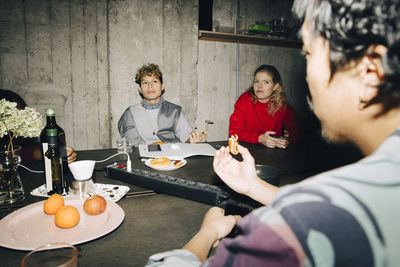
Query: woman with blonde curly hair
x=263, y=114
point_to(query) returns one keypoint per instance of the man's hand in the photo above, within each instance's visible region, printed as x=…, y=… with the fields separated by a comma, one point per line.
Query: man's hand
x=215, y=226
x=242, y=176
x=237, y=175
x=71, y=154
x=196, y=136
x=215, y=222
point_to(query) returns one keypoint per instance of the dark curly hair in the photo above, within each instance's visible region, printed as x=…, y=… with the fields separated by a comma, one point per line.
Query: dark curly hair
x=148, y=70
x=353, y=26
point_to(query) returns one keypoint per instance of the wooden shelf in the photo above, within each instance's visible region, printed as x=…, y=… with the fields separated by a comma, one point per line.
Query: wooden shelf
x=248, y=39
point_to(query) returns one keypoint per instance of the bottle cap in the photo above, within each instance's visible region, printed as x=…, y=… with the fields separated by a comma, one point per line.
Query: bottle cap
x=49, y=112
x=51, y=132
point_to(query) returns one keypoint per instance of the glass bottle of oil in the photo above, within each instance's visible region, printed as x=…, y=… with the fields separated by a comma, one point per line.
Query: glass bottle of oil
x=53, y=166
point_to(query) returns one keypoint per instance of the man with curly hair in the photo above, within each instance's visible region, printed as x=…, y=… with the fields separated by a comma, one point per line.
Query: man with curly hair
x=155, y=120
x=344, y=217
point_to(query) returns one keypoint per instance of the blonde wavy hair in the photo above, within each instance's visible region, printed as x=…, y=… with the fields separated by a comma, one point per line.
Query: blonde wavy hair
x=278, y=96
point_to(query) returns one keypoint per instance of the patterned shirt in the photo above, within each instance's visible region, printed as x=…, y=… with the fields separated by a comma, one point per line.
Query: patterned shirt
x=343, y=217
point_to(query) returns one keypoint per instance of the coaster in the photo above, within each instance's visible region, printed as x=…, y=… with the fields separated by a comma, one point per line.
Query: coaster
x=109, y=191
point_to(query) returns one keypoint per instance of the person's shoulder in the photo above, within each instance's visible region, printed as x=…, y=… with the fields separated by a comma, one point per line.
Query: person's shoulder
x=172, y=105
x=244, y=98
x=130, y=110
x=312, y=184
x=326, y=183
x=245, y=95
x=134, y=107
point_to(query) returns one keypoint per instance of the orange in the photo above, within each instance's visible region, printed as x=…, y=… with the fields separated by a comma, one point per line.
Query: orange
x=53, y=204
x=67, y=217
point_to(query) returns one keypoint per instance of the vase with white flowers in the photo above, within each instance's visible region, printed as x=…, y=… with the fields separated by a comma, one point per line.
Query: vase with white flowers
x=14, y=123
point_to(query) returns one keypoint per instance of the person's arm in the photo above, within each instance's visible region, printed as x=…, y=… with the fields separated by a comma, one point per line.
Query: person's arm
x=127, y=127
x=185, y=133
x=242, y=176
x=183, y=128
x=215, y=226
x=240, y=119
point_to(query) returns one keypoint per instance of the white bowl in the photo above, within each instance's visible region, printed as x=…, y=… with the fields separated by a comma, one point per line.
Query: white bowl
x=82, y=169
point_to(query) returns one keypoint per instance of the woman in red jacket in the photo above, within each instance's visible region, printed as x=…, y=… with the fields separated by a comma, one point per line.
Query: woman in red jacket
x=263, y=114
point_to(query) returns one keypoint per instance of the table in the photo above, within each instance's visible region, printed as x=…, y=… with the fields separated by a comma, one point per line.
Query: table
x=159, y=222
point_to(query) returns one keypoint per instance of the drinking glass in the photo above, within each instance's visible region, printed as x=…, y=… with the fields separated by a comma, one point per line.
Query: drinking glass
x=129, y=145
x=121, y=144
x=53, y=254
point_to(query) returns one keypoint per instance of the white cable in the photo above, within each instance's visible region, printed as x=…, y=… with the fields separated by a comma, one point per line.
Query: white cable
x=128, y=163
x=30, y=169
x=99, y=161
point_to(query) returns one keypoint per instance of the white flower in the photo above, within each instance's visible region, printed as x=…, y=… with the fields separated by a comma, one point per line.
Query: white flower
x=18, y=123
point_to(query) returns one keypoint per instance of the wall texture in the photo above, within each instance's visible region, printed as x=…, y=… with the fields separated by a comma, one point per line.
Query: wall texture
x=81, y=58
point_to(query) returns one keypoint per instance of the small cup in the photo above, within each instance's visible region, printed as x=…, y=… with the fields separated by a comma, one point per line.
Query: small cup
x=81, y=189
x=121, y=144
x=54, y=254
x=82, y=169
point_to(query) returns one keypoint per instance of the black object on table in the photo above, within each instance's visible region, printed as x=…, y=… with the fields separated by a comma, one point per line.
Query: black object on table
x=214, y=192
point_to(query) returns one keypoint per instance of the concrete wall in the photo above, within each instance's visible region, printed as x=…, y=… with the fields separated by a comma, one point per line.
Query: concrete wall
x=55, y=54
x=81, y=58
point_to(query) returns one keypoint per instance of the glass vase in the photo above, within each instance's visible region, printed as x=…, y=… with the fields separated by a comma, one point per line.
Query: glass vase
x=11, y=189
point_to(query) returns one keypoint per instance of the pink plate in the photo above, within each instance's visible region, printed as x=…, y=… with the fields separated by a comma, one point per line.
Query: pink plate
x=29, y=227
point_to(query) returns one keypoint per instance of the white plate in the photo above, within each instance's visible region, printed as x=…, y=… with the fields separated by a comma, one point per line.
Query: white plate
x=169, y=168
x=29, y=227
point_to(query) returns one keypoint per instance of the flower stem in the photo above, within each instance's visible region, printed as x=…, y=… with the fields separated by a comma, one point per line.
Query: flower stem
x=10, y=143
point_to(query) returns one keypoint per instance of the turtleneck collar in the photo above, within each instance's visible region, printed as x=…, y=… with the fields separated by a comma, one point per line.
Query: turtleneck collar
x=152, y=106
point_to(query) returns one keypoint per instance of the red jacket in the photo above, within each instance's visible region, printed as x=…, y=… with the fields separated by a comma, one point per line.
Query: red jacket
x=250, y=120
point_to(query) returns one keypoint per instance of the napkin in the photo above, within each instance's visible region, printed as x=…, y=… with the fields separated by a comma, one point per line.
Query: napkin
x=177, y=151
x=109, y=191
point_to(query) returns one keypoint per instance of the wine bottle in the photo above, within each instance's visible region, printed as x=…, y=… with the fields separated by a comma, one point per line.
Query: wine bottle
x=51, y=124
x=53, y=165
x=61, y=144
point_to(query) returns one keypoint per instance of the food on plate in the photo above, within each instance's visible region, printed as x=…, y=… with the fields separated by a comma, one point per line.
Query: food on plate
x=53, y=204
x=95, y=205
x=178, y=163
x=233, y=144
x=158, y=143
x=67, y=217
x=160, y=162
